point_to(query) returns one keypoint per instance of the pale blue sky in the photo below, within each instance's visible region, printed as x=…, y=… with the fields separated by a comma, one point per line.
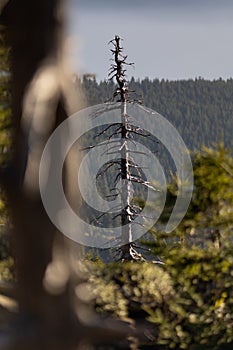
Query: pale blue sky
x=171, y=39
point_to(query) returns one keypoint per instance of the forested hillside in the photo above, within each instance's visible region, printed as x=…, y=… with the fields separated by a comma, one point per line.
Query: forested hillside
x=177, y=291
x=201, y=110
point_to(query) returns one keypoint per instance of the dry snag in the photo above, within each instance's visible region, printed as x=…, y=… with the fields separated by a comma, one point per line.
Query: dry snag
x=129, y=172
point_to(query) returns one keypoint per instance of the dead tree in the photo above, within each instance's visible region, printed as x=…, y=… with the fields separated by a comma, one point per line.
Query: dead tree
x=118, y=71
x=129, y=173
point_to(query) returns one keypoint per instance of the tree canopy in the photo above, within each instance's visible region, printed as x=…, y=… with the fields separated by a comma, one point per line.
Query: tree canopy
x=200, y=109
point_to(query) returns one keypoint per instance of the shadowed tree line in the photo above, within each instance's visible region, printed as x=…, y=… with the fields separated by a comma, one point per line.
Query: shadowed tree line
x=200, y=109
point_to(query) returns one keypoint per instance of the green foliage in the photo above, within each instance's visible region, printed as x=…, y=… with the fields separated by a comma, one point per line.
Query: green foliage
x=185, y=304
x=121, y=288
x=7, y=267
x=210, y=215
x=213, y=194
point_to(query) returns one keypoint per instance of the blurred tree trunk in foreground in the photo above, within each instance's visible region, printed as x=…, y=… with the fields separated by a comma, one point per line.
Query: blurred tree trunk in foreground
x=35, y=36
x=47, y=318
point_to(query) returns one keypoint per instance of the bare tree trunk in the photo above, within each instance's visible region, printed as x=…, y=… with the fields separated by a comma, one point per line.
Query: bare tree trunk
x=127, y=213
x=126, y=186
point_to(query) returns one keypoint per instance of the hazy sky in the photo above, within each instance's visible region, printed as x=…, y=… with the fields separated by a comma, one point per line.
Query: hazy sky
x=171, y=39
